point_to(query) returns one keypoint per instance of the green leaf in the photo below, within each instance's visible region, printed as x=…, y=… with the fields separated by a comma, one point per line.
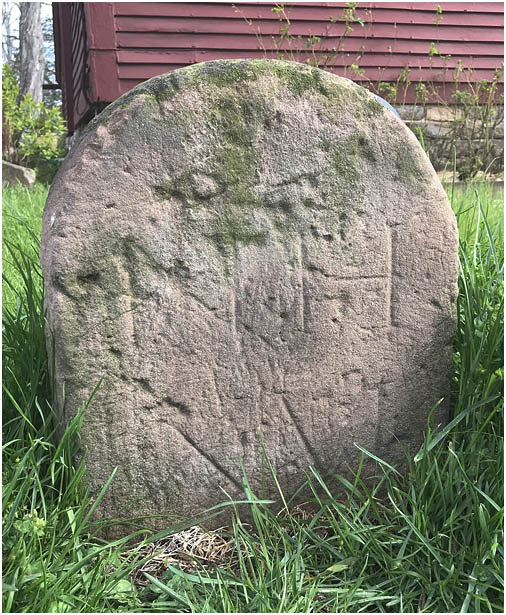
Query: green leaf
x=122, y=590
x=444, y=432
x=167, y=590
x=8, y=587
x=337, y=568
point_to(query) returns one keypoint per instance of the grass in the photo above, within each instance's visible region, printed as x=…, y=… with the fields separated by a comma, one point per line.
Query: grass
x=428, y=541
x=22, y=219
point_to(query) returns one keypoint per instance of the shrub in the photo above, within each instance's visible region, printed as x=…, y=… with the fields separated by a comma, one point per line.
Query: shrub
x=32, y=132
x=475, y=112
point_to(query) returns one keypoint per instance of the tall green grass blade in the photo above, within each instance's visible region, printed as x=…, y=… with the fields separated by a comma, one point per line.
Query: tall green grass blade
x=451, y=425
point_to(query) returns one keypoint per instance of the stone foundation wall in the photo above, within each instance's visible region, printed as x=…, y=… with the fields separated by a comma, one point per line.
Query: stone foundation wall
x=437, y=123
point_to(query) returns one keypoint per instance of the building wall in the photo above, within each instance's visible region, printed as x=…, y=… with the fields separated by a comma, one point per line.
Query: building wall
x=153, y=38
x=72, y=61
x=105, y=49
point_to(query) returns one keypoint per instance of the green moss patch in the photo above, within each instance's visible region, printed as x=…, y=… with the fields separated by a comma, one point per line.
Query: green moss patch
x=407, y=165
x=298, y=78
x=346, y=157
x=234, y=224
x=375, y=108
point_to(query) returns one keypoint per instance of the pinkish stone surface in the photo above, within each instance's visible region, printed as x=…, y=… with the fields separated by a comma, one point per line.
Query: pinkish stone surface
x=245, y=246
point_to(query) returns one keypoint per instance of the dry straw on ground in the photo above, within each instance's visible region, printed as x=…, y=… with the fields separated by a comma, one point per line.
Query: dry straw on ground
x=189, y=550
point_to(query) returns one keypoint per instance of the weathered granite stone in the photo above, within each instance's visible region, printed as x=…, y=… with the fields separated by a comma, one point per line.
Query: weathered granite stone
x=241, y=246
x=14, y=174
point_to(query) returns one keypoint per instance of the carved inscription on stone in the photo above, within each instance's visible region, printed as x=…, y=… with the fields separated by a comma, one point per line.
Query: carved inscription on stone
x=251, y=254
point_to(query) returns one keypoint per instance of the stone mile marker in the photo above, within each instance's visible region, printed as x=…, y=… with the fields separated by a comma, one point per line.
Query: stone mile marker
x=246, y=246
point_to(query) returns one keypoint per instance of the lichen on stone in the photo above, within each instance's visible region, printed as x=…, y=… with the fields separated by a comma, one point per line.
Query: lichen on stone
x=375, y=108
x=180, y=187
x=245, y=245
x=346, y=157
x=234, y=224
x=407, y=166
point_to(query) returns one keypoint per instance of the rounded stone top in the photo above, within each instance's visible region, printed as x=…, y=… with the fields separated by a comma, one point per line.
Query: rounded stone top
x=294, y=77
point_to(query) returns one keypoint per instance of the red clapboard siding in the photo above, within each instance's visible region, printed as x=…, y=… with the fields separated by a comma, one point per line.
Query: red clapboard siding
x=129, y=42
x=135, y=29
x=133, y=57
x=311, y=15
x=155, y=37
x=71, y=57
x=302, y=10
x=215, y=41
